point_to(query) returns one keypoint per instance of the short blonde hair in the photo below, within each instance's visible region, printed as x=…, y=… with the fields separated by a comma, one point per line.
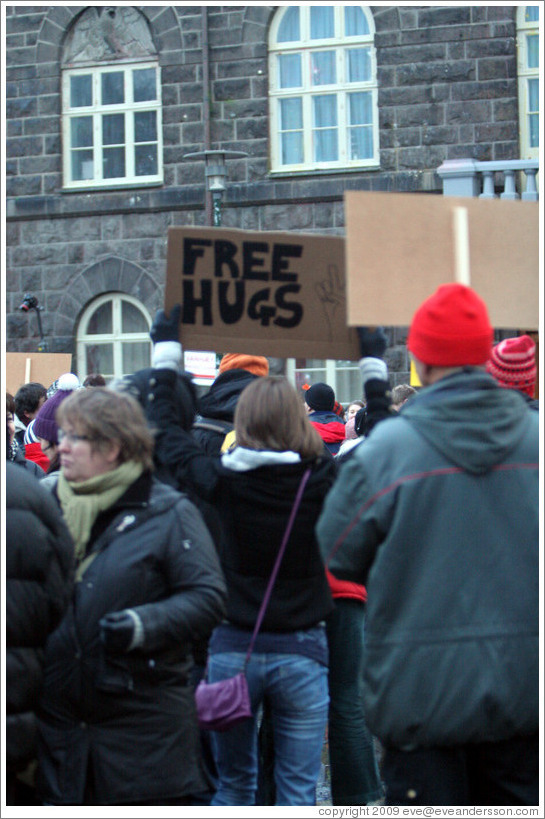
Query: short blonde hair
x=270, y=415
x=104, y=416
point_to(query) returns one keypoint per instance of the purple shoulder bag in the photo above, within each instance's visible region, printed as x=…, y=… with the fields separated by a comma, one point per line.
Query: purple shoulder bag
x=222, y=704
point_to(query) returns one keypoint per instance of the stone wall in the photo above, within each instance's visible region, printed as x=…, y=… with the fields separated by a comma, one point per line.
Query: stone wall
x=447, y=88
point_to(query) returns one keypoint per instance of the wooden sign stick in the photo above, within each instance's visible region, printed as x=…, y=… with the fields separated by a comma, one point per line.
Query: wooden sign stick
x=461, y=246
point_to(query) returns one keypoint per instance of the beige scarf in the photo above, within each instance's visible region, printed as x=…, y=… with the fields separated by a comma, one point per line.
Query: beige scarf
x=82, y=502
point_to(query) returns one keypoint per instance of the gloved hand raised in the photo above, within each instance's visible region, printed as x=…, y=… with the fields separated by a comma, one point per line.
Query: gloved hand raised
x=373, y=341
x=167, y=350
x=121, y=631
x=166, y=328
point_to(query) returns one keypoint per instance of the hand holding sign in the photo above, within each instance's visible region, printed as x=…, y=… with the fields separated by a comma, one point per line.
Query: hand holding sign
x=166, y=328
x=167, y=350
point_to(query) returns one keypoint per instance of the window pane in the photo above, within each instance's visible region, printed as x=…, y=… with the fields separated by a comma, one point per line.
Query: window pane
x=135, y=356
x=132, y=319
x=360, y=144
x=355, y=21
x=289, y=28
x=113, y=163
x=358, y=64
x=360, y=108
x=323, y=71
x=81, y=132
x=533, y=124
x=82, y=165
x=325, y=110
x=322, y=22
x=144, y=84
x=113, y=129
x=292, y=148
x=145, y=160
x=112, y=88
x=532, y=14
x=100, y=359
x=145, y=126
x=532, y=44
x=289, y=71
x=533, y=95
x=291, y=114
x=81, y=91
x=326, y=146
x=101, y=320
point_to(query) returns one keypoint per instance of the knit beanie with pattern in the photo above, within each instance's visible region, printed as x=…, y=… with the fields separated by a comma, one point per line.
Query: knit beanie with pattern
x=513, y=364
x=451, y=328
x=45, y=424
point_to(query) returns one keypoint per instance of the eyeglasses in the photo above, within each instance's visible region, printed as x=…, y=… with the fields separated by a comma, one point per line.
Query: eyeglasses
x=71, y=437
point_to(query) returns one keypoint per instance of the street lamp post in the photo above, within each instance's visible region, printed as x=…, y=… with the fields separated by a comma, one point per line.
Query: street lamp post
x=30, y=302
x=215, y=174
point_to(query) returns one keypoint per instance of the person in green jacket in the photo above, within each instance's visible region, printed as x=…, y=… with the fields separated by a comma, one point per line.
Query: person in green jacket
x=437, y=513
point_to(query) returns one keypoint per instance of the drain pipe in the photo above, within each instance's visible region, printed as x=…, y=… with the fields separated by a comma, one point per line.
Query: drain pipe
x=206, y=104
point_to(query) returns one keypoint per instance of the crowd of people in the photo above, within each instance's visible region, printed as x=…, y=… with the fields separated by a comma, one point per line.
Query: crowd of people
x=143, y=523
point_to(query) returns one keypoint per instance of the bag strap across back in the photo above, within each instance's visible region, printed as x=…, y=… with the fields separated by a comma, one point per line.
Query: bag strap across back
x=276, y=566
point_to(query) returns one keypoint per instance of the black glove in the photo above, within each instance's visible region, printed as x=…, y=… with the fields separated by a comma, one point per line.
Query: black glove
x=372, y=342
x=166, y=329
x=121, y=631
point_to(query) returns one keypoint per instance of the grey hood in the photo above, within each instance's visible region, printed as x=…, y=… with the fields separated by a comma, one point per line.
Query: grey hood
x=469, y=419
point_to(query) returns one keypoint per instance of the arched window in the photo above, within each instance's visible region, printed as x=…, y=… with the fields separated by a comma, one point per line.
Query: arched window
x=323, y=88
x=528, y=78
x=111, y=101
x=113, y=337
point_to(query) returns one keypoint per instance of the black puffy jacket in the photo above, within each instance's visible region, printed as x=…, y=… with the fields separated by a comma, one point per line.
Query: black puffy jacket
x=129, y=719
x=39, y=573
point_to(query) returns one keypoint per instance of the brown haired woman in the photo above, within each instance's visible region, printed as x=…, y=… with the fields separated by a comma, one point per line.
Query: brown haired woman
x=117, y=722
x=253, y=488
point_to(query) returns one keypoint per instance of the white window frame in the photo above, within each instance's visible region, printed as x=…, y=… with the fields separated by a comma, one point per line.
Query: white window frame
x=305, y=46
x=327, y=370
x=128, y=108
x=115, y=339
x=525, y=28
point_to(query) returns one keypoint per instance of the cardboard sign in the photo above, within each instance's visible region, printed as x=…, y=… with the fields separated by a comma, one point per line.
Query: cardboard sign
x=401, y=247
x=262, y=293
x=41, y=367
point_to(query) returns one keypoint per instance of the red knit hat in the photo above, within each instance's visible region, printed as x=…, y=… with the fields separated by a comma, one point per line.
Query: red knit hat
x=513, y=364
x=256, y=364
x=451, y=328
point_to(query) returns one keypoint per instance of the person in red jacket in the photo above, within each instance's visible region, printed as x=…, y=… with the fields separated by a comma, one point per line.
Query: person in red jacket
x=320, y=406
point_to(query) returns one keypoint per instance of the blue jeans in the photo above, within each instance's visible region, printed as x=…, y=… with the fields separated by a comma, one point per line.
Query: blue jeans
x=297, y=691
x=355, y=777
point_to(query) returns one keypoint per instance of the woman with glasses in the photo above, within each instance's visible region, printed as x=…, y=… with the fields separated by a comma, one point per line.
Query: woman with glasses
x=117, y=722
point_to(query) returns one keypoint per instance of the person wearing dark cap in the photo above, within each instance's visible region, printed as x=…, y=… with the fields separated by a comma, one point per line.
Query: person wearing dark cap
x=513, y=365
x=320, y=406
x=437, y=513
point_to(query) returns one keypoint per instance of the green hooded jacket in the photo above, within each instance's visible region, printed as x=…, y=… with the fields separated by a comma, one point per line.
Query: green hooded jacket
x=437, y=513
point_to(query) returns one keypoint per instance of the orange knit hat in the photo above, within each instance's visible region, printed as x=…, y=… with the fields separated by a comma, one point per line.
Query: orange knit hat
x=256, y=364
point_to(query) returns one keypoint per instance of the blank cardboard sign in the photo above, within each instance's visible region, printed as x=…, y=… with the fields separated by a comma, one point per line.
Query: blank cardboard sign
x=262, y=293
x=41, y=367
x=401, y=247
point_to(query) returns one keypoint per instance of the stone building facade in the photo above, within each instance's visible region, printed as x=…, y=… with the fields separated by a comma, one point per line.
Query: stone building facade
x=446, y=86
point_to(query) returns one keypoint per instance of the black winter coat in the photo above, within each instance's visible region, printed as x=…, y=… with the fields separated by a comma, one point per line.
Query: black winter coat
x=219, y=405
x=39, y=576
x=254, y=507
x=122, y=728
